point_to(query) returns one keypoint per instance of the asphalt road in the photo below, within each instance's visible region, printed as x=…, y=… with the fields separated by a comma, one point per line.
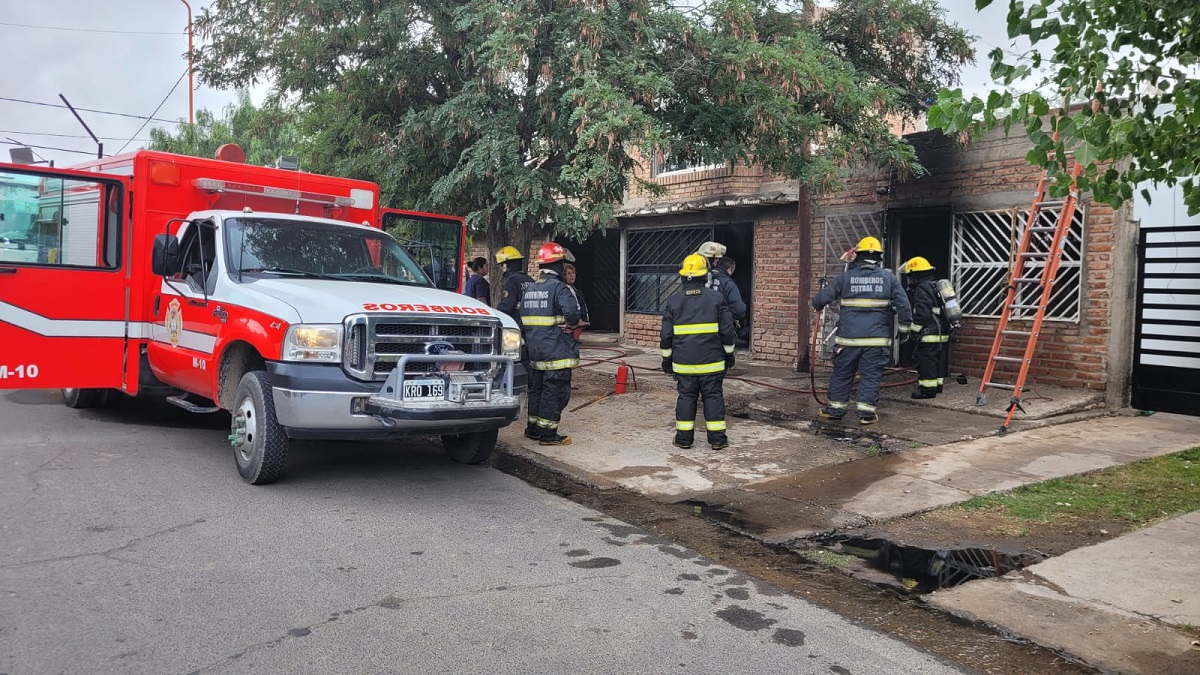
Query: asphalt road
x=128, y=544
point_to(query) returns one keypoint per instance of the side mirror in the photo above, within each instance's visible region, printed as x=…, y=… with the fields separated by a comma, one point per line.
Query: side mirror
x=164, y=261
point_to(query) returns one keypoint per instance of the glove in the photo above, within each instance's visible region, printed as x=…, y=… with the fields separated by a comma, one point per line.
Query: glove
x=730, y=358
x=667, y=367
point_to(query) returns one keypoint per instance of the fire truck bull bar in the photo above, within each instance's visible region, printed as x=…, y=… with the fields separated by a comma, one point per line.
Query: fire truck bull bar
x=464, y=394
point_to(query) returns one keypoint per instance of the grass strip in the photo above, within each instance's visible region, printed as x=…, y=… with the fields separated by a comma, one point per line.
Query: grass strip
x=1140, y=493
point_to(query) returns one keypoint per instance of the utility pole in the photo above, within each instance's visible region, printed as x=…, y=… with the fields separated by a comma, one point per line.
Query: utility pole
x=191, y=88
x=99, y=145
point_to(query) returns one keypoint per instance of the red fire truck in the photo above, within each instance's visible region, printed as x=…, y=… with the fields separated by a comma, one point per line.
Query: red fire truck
x=273, y=294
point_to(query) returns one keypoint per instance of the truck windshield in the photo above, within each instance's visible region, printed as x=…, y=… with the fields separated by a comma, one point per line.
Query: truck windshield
x=285, y=247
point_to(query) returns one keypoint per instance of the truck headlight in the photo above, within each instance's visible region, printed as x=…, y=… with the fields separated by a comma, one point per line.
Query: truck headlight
x=313, y=343
x=512, y=343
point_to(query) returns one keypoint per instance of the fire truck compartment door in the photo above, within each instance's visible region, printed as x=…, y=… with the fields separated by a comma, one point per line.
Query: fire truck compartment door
x=438, y=244
x=64, y=259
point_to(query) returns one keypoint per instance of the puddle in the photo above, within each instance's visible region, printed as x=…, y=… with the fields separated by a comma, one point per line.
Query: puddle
x=832, y=484
x=925, y=570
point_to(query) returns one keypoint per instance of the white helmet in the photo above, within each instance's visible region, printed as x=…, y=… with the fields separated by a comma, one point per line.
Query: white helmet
x=711, y=249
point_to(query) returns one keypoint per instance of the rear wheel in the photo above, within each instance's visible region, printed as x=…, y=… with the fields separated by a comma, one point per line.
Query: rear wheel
x=472, y=448
x=86, y=398
x=260, y=445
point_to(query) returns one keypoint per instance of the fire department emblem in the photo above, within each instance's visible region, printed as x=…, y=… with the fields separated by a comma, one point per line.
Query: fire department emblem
x=174, y=322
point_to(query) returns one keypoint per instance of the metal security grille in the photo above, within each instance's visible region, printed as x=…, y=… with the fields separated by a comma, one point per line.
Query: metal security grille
x=843, y=232
x=652, y=264
x=1166, y=357
x=984, y=246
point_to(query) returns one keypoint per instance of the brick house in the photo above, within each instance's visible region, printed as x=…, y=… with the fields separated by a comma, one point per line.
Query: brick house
x=1105, y=327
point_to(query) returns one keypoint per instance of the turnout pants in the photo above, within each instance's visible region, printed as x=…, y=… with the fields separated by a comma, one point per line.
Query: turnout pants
x=870, y=361
x=931, y=365
x=549, y=392
x=706, y=387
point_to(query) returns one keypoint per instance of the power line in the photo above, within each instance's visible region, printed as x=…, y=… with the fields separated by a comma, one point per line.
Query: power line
x=160, y=105
x=47, y=147
x=93, y=30
x=46, y=133
x=91, y=110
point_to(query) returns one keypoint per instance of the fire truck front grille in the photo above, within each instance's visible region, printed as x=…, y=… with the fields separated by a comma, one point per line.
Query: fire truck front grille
x=374, y=344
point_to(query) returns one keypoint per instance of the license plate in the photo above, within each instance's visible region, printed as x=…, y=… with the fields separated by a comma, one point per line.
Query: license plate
x=424, y=390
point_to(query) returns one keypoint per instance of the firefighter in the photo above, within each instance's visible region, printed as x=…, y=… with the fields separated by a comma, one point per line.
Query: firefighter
x=697, y=342
x=719, y=280
x=549, y=317
x=513, y=282
x=871, y=297
x=931, y=327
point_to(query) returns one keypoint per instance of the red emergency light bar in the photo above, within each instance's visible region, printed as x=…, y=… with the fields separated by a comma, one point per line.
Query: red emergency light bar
x=213, y=185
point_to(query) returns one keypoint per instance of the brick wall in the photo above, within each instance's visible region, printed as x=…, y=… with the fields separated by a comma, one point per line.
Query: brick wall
x=776, y=291
x=992, y=174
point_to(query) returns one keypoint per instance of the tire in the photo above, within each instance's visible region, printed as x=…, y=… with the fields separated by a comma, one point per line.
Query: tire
x=85, y=398
x=264, y=444
x=472, y=448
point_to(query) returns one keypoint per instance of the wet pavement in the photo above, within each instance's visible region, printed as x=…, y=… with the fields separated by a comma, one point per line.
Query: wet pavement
x=789, y=479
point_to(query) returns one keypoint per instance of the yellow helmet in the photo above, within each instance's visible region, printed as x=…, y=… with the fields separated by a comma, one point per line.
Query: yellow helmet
x=694, y=266
x=508, y=253
x=917, y=264
x=869, y=245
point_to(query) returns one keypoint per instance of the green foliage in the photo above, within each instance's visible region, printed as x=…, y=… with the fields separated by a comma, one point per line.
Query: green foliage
x=521, y=113
x=263, y=133
x=1144, y=120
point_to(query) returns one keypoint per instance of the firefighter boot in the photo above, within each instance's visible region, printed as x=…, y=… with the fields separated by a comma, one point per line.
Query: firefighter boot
x=827, y=414
x=718, y=441
x=683, y=440
x=924, y=392
x=554, y=439
x=532, y=432
x=868, y=418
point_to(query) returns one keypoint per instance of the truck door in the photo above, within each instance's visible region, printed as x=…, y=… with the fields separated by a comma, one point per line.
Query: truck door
x=64, y=263
x=438, y=244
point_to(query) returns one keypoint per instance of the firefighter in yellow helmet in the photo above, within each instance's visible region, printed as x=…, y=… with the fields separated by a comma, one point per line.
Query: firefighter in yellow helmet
x=513, y=282
x=928, y=323
x=697, y=342
x=871, y=297
x=549, y=317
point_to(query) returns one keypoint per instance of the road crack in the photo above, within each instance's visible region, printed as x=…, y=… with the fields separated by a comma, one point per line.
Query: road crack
x=108, y=553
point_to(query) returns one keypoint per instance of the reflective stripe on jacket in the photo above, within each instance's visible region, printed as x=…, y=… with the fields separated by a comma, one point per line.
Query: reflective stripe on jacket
x=547, y=307
x=697, y=330
x=927, y=310
x=870, y=297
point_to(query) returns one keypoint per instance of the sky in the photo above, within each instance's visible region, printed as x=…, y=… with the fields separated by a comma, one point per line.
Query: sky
x=127, y=56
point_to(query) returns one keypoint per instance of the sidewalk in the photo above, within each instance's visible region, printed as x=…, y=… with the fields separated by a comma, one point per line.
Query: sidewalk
x=786, y=477
x=1107, y=604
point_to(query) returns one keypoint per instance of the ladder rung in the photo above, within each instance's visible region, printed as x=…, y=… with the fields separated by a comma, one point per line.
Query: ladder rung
x=1010, y=359
x=999, y=385
x=1017, y=332
x=1028, y=280
x=1043, y=228
x=1050, y=204
x=1034, y=254
x=1024, y=306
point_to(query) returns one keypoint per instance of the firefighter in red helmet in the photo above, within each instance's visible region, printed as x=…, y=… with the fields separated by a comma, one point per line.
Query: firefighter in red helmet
x=549, y=317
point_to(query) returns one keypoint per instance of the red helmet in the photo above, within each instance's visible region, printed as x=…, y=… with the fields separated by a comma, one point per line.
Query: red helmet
x=551, y=252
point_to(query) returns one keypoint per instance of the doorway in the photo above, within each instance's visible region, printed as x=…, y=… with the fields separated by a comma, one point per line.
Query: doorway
x=925, y=232
x=598, y=277
x=738, y=239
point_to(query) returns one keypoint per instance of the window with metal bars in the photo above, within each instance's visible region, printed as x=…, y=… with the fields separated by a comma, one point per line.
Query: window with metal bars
x=652, y=264
x=984, y=247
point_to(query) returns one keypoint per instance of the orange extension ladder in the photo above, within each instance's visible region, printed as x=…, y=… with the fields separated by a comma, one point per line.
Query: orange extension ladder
x=1029, y=288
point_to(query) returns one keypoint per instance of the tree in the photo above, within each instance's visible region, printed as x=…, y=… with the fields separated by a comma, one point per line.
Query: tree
x=527, y=112
x=1143, y=56
x=264, y=133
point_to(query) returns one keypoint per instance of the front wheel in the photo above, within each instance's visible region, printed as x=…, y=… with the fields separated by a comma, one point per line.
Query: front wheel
x=472, y=448
x=86, y=398
x=260, y=445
